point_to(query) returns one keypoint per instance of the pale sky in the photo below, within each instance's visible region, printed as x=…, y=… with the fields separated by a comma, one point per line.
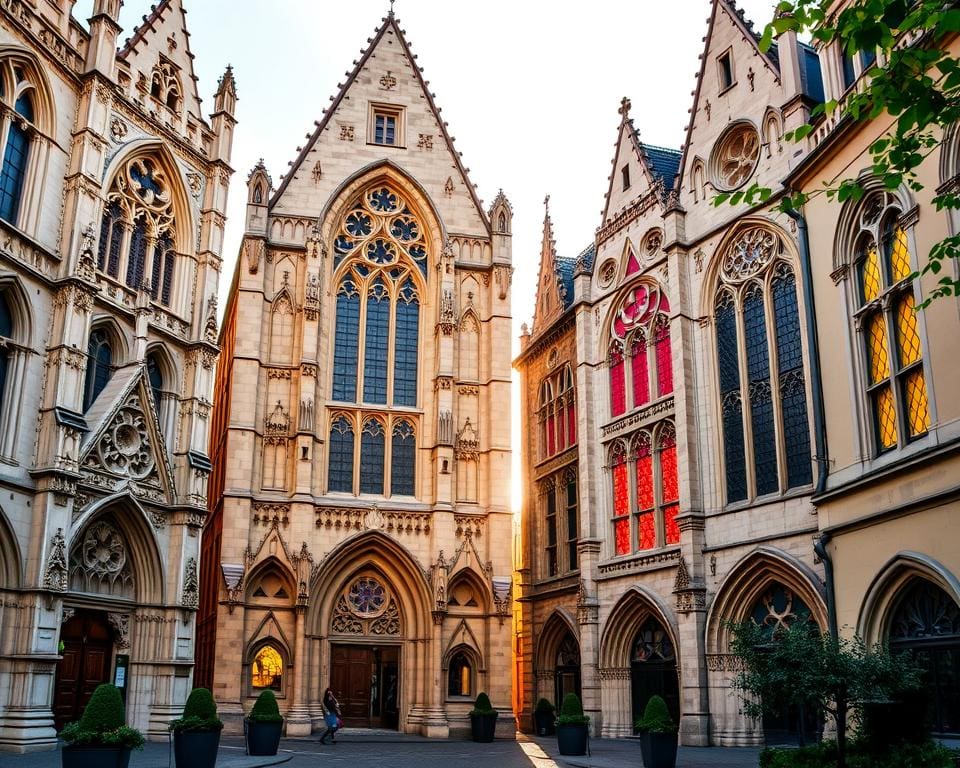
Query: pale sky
x=530, y=90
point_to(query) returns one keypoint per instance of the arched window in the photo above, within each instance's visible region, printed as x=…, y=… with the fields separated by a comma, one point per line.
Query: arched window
x=99, y=365
x=155, y=375
x=16, y=154
x=137, y=229
x=6, y=333
x=888, y=326
x=549, y=493
x=341, y=455
x=762, y=391
x=557, y=413
x=266, y=670
x=618, y=382
x=371, y=457
x=407, y=336
x=460, y=675
x=566, y=669
x=403, y=460
x=621, y=498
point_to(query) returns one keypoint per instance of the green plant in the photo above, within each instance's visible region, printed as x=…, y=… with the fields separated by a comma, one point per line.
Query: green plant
x=482, y=705
x=265, y=709
x=571, y=711
x=825, y=755
x=656, y=717
x=544, y=706
x=199, y=714
x=103, y=723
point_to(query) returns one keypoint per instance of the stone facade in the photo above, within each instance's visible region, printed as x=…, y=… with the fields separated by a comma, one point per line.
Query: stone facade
x=110, y=230
x=711, y=458
x=360, y=531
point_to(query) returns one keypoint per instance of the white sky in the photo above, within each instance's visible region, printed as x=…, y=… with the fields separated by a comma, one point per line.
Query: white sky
x=530, y=90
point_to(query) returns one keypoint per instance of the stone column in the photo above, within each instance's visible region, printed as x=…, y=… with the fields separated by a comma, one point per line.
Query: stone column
x=298, y=717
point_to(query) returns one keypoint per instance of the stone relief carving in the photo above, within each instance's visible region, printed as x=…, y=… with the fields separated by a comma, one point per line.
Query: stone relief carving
x=191, y=585
x=468, y=442
x=445, y=427
x=55, y=574
x=121, y=628
x=100, y=563
x=125, y=448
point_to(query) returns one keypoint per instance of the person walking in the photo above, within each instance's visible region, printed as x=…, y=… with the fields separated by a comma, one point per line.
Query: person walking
x=331, y=716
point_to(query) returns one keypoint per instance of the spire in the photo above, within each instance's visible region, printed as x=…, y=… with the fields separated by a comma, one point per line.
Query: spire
x=225, y=98
x=390, y=12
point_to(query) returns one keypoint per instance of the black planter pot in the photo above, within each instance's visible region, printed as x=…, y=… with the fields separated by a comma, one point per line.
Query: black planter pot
x=483, y=727
x=196, y=749
x=572, y=739
x=263, y=738
x=659, y=750
x=95, y=757
x=543, y=722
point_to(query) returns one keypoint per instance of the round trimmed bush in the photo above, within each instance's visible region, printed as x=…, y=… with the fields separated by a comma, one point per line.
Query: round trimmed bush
x=482, y=706
x=571, y=711
x=656, y=717
x=265, y=709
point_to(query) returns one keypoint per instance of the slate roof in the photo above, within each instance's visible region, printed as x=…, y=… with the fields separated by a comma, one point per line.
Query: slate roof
x=585, y=261
x=664, y=163
x=811, y=78
x=564, y=266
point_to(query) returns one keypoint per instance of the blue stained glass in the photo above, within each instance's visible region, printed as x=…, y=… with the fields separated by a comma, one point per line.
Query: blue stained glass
x=761, y=397
x=136, y=260
x=371, y=457
x=793, y=398
x=405, y=229
x=346, y=343
x=419, y=253
x=14, y=172
x=381, y=252
x=162, y=272
x=405, y=358
x=99, y=365
x=375, y=344
x=383, y=200
x=731, y=405
x=403, y=460
x=148, y=189
x=359, y=224
x=169, y=261
x=24, y=107
x=341, y=456
x=111, y=237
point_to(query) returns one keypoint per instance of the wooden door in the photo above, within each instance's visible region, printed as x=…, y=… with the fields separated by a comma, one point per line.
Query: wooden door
x=351, y=675
x=87, y=651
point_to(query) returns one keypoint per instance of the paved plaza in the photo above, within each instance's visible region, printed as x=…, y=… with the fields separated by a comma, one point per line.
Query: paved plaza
x=364, y=749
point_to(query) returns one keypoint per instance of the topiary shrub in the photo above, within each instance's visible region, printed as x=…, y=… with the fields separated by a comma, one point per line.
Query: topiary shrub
x=265, y=709
x=544, y=706
x=482, y=705
x=103, y=723
x=656, y=717
x=571, y=711
x=199, y=714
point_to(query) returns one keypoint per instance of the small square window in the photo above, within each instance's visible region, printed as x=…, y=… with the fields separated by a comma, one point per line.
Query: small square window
x=725, y=63
x=386, y=125
x=625, y=173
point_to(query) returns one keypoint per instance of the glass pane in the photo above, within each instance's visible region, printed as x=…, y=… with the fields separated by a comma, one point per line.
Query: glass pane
x=877, y=355
x=645, y=480
x=870, y=275
x=99, y=365
x=618, y=394
x=403, y=460
x=371, y=457
x=633, y=264
x=155, y=377
x=908, y=339
x=137, y=258
x=267, y=669
x=14, y=172
x=731, y=405
x=885, y=416
x=571, y=422
x=670, y=524
x=778, y=609
x=407, y=333
x=761, y=400
x=915, y=398
x=573, y=528
x=621, y=530
x=375, y=344
x=341, y=456
x=641, y=379
x=664, y=363
x=646, y=530
x=346, y=343
x=899, y=256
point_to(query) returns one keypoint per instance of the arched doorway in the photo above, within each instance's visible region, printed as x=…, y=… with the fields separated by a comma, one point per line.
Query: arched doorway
x=653, y=669
x=926, y=622
x=566, y=671
x=87, y=651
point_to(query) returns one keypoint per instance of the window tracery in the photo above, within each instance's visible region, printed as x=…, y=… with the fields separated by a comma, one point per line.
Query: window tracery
x=266, y=671
x=386, y=450
x=100, y=563
x=735, y=156
x=19, y=94
x=557, y=413
x=165, y=85
x=366, y=607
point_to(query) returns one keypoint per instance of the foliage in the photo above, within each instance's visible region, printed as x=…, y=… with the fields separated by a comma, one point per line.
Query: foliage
x=544, y=706
x=825, y=755
x=103, y=723
x=571, y=711
x=916, y=93
x=265, y=709
x=482, y=705
x=199, y=714
x=656, y=717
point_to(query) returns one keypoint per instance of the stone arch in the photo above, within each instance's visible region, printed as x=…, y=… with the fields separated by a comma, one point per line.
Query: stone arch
x=44, y=104
x=18, y=302
x=120, y=342
x=554, y=630
x=139, y=539
x=480, y=587
x=625, y=620
x=881, y=597
x=747, y=580
x=271, y=565
x=950, y=153
x=470, y=649
x=268, y=633
x=11, y=574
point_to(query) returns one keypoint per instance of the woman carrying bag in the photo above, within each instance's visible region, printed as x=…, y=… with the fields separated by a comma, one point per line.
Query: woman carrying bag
x=331, y=716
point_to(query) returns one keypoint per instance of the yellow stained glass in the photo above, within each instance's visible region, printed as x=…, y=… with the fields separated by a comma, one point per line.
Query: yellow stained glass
x=915, y=393
x=908, y=340
x=870, y=274
x=899, y=256
x=886, y=417
x=877, y=347
x=267, y=669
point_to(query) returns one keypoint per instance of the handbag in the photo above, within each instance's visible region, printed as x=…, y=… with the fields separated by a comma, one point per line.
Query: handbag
x=331, y=720
x=339, y=722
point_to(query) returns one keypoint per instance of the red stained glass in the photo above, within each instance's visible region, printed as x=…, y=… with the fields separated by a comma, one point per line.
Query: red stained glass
x=621, y=532
x=621, y=491
x=618, y=387
x=664, y=362
x=670, y=524
x=668, y=473
x=646, y=531
x=551, y=435
x=645, y=481
x=571, y=424
x=641, y=380
x=633, y=264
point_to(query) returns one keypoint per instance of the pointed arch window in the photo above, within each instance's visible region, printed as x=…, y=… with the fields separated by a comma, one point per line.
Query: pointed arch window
x=341, y=455
x=137, y=230
x=6, y=333
x=460, y=675
x=560, y=522
x=557, y=413
x=403, y=459
x=889, y=328
x=155, y=376
x=760, y=371
x=371, y=457
x=15, y=156
x=99, y=365
x=387, y=448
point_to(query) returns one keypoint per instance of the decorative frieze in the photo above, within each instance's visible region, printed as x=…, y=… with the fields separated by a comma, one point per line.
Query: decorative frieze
x=614, y=673
x=651, y=413
x=724, y=662
x=373, y=518
x=468, y=525
x=650, y=562
x=267, y=513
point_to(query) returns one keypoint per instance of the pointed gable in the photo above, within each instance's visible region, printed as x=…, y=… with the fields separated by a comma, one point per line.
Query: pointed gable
x=159, y=50
x=386, y=78
x=555, y=279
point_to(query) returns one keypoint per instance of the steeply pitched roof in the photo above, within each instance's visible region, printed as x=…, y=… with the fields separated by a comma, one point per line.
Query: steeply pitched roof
x=585, y=261
x=662, y=162
x=565, y=267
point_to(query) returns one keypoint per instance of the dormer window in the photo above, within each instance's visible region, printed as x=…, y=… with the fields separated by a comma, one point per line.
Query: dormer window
x=386, y=125
x=725, y=66
x=625, y=174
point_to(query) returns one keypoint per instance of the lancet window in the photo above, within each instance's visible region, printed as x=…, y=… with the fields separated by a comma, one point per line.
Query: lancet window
x=557, y=413
x=18, y=95
x=560, y=522
x=762, y=388
x=382, y=462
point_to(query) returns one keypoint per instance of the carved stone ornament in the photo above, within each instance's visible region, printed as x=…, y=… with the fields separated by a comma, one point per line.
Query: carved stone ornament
x=448, y=322
x=125, y=448
x=210, y=328
x=100, y=563
x=346, y=132
x=254, y=253
x=191, y=585
x=468, y=442
x=121, y=628
x=118, y=129
x=86, y=264
x=749, y=253
x=448, y=188
x=55, y=574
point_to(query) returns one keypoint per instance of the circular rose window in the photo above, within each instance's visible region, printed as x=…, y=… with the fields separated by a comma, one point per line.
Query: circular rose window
x=608, y=271
x=367, y=596
x=735, y=156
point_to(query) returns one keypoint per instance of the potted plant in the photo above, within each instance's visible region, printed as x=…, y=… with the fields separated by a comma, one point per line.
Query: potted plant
x=658, y=735
x=544, y=715
x=483, y=719
x=572, y=727
x=196, y=735
x=263, y=725
x=101, y=738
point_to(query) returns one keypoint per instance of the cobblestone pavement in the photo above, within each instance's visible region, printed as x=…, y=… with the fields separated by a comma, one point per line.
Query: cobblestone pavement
x=360, y=749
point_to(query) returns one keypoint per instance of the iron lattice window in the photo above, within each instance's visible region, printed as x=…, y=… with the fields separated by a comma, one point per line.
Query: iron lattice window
x=762, y=390
x=561, y=522
x=888, y=325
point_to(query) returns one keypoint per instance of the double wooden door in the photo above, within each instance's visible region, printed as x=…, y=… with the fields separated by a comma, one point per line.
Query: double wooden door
x=366, y=681
x=87, y=651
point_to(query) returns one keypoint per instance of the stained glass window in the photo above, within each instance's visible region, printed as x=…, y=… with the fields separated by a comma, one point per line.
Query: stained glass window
x=403, y=459
x=407, y=336
x=573, y=522
x=161, y=282
x=551, y=518
x=639, y=372
x=6, y=332
x=669, y=483
x=99, y=365
x=366, y=596
x=621, y=500
x=15, y=162
x=341, y=455
x=371, y=457
x=155, y=376
x=266, y=671
x=111, y=239
x=730, y=399
x=646, y=522
x=633, y=263
x=661, y=346
x=618, y=385
x=346, y=342
x=375, y=344
x=761, y=400
x=778, y=609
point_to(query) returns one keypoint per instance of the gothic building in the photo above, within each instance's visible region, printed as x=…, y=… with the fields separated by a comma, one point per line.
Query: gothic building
x=112, y=195
x=757, y=433
x=360, y=527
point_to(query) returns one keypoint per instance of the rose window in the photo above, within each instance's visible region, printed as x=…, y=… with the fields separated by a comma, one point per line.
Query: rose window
x=125, y=447
x=367, y=597
x=103, y=550
x=736, y=156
